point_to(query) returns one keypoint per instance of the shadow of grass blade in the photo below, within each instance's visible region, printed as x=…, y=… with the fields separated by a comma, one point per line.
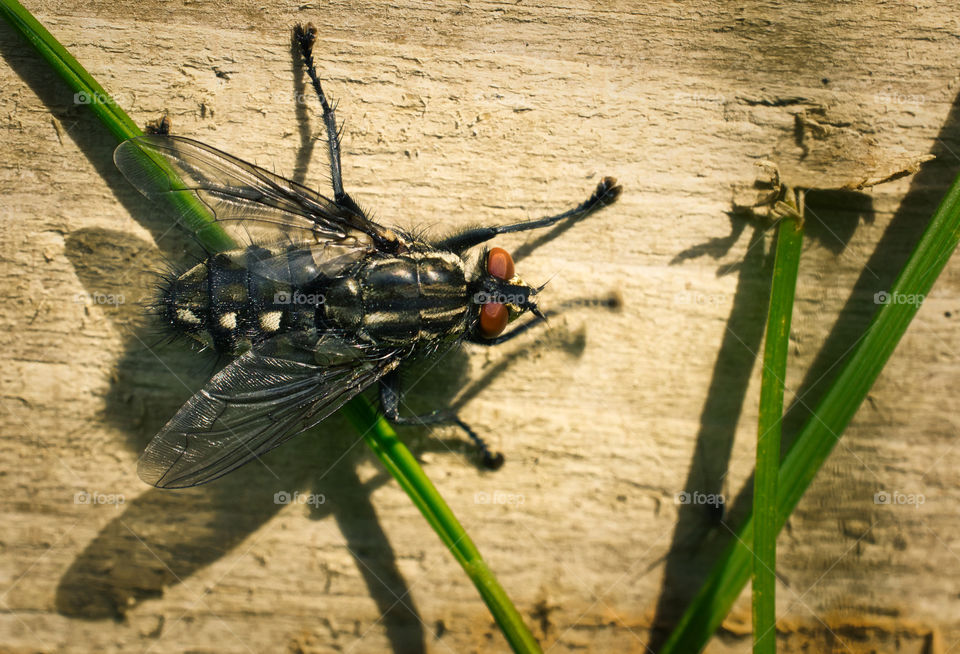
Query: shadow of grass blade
x=79, y=80
x=823, y=429
x=383, y=440
x=194, y=213
x=378, y=434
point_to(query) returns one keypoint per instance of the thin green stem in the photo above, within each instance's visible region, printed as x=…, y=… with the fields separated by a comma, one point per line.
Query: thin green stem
x=83, y=85
x=379, y=436
x=87, y=91
x=776, y=346
x=829, y=419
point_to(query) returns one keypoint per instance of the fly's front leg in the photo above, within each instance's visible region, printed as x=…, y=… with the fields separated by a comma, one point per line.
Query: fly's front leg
x=390, y=405
x=306, y=37
x=606, y=193
x=513, y=333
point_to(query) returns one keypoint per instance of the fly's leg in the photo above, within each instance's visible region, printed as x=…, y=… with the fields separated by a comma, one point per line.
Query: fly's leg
x=513, y=333
x=385, y=240
x=606, y=194
x=306, y=37
x=390, y=404
x=390, y=384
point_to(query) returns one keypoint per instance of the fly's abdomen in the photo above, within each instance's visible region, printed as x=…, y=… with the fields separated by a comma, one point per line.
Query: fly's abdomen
x=402, y=300
x=223, y=304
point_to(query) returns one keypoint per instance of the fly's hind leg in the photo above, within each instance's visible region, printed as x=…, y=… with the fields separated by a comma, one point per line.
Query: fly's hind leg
x=306, y=37
x=385, y=239
x=390, y=405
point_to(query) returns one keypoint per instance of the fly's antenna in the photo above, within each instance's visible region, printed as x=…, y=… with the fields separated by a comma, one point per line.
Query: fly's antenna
x=544, y=285
x=539, y=314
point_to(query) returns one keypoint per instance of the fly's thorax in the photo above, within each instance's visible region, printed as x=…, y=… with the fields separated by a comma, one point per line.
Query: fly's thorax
x=403, y=299
x=226, y=306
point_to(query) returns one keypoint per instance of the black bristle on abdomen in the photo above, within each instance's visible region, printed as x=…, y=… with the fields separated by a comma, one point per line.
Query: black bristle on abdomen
x=224, y=305
x=228, y=300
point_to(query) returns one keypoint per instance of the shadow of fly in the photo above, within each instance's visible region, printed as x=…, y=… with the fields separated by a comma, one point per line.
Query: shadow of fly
x=320, y=302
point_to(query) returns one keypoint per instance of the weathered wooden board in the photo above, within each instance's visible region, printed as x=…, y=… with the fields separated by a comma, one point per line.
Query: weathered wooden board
x=456, y=114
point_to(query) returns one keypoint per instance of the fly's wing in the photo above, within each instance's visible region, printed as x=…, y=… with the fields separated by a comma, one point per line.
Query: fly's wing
x=252, y=203
x=299, y=265
x=260, y=400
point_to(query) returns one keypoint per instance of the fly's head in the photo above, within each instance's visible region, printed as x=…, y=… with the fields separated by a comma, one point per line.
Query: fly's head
x=500, y=294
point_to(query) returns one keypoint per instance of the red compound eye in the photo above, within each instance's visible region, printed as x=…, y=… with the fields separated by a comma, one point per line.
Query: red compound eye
x=493, y=319
x=500, y=264
x=493, y=315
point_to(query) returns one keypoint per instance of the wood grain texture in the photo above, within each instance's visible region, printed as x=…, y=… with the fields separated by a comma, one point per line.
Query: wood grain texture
x=489, y=112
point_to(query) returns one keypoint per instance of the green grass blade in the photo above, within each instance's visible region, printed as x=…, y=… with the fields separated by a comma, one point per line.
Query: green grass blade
x=821, y=431
x=776, y=346
x=194, y=213
x=79, y=80
x=379, y=436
